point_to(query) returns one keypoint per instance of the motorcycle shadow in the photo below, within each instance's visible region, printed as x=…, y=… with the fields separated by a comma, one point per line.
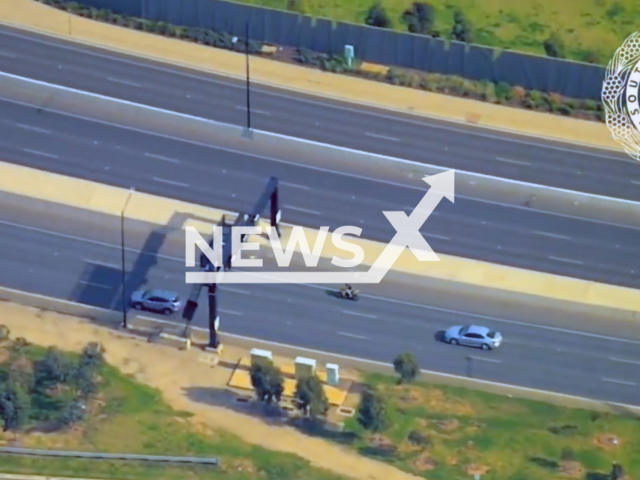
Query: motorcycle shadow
x=333, y=293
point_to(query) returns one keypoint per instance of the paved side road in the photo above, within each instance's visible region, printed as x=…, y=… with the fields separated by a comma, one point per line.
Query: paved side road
x=220, y=98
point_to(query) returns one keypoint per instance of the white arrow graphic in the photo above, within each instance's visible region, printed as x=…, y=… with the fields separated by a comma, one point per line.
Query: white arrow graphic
x=407, y=235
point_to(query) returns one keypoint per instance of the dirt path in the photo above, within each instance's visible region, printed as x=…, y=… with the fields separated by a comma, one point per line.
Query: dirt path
x=178, y=375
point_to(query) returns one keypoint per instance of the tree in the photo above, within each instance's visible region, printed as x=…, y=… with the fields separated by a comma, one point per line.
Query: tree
x=372, y=411
x=92, y=355
x=406, y=367
x=73, y=412
x=461, y=29
x=419, y=19
x=377, y=16
x=85, y=381
x=52, y=370
x=267, y=381
x=4, y=333
x=15, y=406
x=554, y=46
x=311, y=397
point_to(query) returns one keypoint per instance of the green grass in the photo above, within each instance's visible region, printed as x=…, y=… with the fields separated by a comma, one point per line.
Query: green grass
x=598, y=26
x=134, y=419
x=506, y=433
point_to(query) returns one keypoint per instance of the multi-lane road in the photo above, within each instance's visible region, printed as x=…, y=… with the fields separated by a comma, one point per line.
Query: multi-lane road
x=561, y=349
x=233, y=180
x=404, y=136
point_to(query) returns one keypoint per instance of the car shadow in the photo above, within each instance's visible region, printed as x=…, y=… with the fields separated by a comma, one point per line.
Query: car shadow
x=439, y=336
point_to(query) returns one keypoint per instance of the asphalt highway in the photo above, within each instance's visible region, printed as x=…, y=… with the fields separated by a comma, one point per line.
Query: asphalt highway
x=224, y=179
x=48, y=251
x=404, y=136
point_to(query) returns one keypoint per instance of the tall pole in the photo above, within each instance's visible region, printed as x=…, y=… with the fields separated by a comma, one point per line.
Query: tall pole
x=124, y=269
x=246, y=48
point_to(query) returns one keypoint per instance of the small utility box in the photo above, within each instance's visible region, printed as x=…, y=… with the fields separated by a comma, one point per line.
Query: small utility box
x=305, y=367
x=348, y=54
x=333, y=376
x=257, y=355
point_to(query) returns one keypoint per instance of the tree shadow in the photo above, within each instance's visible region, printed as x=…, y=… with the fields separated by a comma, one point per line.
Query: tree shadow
x=597, y=476
x=274, y=415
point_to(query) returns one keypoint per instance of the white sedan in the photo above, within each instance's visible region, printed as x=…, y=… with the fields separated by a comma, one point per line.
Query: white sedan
x=473, y=336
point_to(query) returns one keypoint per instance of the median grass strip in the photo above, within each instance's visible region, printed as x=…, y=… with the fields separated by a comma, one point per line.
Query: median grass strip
x=127, y=416
x=444, y=433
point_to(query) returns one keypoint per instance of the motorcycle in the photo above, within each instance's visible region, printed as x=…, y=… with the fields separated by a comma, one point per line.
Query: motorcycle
x=354, y=294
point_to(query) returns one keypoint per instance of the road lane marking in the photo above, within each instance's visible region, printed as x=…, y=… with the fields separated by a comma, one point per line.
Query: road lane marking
x=36, y=152
x=508, y=160
x=230, y=312
x=315, y=212
x=7, y=55
x=492, y=360
x=34, y=129
x=103, y=264
x=171, y=182
x=552, y=235
x=383, y=137
x=295, y=185
x=352, y=335
x=358, y=314
x=253, y=110
x=99, y=285
x=622, y=360
x=433, y=235
x=635, y=181
x=124, y=82
x=235, y=290
x=160, y=157
x=566, y=260
x=621, y=382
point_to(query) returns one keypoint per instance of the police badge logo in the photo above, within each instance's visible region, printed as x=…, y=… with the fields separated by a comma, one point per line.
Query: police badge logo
x=620, y=91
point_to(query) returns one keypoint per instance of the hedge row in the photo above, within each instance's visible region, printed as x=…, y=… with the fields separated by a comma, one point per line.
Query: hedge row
x=500, y=93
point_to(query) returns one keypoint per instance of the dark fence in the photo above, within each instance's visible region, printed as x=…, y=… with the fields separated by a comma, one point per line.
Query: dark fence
x=374, y=45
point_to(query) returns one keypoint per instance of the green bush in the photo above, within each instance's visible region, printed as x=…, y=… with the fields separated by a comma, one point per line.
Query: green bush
x=419, y=18
x=504, y=92
x=461, y=29
x=377, y=16
x=554, y=46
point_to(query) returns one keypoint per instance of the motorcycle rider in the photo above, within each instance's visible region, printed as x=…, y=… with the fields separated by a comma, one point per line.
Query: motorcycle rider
x=348, y=291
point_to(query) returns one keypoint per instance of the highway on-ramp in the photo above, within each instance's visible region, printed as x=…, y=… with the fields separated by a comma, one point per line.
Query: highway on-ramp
x=505, y=234
x=363, y=128
x=73, y=255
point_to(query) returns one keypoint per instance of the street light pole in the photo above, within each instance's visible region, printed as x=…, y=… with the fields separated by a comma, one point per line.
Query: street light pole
x=246, y=49
x=124, y=270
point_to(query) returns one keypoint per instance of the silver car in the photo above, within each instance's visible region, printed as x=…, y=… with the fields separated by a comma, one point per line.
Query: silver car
x=473, y=336
x=156, y=301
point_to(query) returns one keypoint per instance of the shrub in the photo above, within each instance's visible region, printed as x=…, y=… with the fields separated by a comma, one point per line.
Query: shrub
x=591, y=57
x=504, y=92
x=298, y=6
x=554, y=46
x=4, y=333
x=372, y=411
x=461, y=29
x=419, y=18
x=419, y=439
x=377, y=16
x=567, y=455
x=406, y=367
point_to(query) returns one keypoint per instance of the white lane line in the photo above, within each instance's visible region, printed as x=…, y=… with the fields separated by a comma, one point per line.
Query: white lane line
x=91, y=284
x=235, y=290
x=7, y=55
x=635, y=181
x=622, y=360
x=508, y=160
x=492, y=360
x=43, y=154
x=295, y=185
x=230, y=312
x=621, y=382
x=289, y=207
x=552, y=235
x=433, y=235
x=358, y=314
x=170, y=182
x=34, y=129
x=102, y=264
x=352, y=335
x=383, y=137
x=253, y=110
x=124, y=82
x=566, y=260
x=160, y=157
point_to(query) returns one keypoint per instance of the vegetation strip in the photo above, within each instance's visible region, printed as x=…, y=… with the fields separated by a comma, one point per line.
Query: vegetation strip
x=501, y=93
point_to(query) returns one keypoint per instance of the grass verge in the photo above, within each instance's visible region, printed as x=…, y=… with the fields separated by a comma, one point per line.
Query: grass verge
x=445, y=433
